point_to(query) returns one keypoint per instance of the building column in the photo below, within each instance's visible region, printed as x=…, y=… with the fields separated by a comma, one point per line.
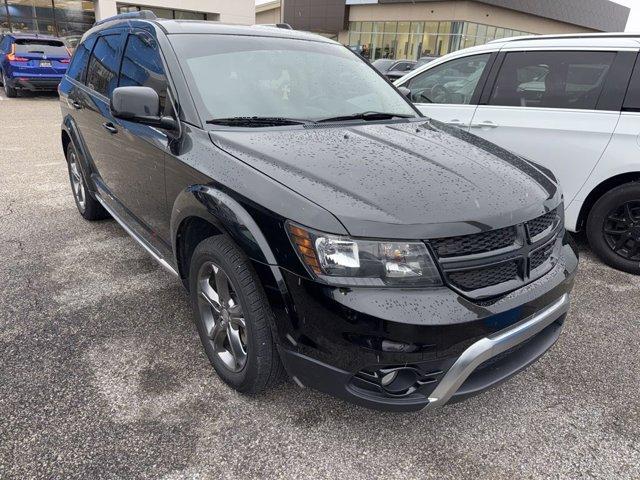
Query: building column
x=105, y=8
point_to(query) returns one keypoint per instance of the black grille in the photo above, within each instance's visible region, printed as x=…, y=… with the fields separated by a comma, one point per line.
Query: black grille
x=540, y=224
x=475, y=243
x=503, y=259
x=485, y=277
x=540, y=256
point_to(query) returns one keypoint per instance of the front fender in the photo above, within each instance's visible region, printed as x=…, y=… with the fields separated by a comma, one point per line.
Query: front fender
x=226, y=214
x=230, y=216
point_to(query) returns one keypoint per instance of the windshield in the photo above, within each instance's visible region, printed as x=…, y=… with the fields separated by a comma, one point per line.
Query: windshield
x=242, y=76
x=46, y=47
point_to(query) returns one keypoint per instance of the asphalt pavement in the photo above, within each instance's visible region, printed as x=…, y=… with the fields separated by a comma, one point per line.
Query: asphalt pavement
x=102, y=374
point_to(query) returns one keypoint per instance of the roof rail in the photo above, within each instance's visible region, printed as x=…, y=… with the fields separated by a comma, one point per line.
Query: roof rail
x=564, y=36
x=284, y=26
x=140, y=15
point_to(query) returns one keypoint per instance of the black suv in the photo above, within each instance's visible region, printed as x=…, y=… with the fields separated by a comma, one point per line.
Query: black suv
x=319, y=222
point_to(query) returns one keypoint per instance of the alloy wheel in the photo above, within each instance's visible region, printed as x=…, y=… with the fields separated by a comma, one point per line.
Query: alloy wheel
x=622, y=230
x=223, y=317
x=77, y=184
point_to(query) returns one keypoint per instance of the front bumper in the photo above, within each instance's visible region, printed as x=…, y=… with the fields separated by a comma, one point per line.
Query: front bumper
x=444, y=347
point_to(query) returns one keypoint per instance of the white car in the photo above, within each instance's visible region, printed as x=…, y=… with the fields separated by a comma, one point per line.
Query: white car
x=570, y=103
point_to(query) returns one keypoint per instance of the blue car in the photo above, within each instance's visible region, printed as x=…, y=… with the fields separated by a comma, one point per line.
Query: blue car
x=32, y=62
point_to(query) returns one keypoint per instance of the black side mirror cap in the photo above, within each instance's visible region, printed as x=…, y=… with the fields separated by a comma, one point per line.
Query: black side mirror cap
x=141, y=105
x=133, y=102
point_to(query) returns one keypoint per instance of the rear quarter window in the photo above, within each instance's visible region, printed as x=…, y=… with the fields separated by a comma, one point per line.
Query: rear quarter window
x=80, y=60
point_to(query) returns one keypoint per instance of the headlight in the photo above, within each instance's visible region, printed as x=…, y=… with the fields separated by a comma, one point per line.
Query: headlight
x=346, y=261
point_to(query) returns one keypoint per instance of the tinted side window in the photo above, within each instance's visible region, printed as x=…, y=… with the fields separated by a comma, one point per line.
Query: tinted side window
x=102, y=72
x=552, y=79
x=452, y=82
x=80, y=59
x=142, y=66
x=632, y=99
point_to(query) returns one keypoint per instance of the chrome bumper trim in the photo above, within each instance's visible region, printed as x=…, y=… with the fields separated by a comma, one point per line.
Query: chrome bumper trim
x=493, y=345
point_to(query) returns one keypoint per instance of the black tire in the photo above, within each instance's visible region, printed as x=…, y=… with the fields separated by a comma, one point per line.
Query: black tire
x=89, y=207
x=603, y=245
x=262, y=368
x=9, y=91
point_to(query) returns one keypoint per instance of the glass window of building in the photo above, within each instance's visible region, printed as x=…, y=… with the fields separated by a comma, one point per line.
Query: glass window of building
x=389, y=40
x=170, y=14
x=413, y=40
x=402, y=40
x=376, y=40
x=429, y=39
x=469, y=34
x=444, y=39
x=52, y=17
x=365, y=39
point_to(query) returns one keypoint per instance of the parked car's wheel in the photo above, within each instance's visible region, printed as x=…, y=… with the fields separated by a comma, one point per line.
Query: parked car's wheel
x=88, y=206
x=233, y=316
x=10, y=92
x=613, y=228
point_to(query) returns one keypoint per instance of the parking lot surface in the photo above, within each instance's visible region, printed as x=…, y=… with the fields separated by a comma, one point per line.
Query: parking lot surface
x=102, y=374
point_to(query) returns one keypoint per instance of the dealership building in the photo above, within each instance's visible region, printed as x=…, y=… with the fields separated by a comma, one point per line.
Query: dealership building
x=74, y=17
x=409, y=29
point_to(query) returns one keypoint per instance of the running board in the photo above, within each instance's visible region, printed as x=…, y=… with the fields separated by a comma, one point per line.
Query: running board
x=143, y=243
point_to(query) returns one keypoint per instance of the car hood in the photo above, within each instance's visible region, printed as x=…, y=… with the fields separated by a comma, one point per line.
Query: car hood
x=398, y=180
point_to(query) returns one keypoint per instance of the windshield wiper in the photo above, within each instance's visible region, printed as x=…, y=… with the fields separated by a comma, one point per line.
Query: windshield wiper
x=256, y=121
x=368, y=116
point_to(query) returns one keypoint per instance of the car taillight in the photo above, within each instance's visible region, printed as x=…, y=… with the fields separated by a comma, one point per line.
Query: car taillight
x=12, y=56
x=65, y=60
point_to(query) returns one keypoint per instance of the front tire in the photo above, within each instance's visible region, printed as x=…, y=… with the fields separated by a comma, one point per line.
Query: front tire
x=613, y=228
x=89, y=207
x=233, y=316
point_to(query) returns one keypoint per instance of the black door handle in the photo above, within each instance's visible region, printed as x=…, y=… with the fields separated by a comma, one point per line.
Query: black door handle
x=110, y=127
x=75, y=104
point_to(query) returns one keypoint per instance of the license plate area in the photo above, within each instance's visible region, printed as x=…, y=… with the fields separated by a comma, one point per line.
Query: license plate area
x=45, y=63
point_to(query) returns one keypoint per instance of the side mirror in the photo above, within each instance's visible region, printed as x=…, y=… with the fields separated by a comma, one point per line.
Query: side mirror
x=141, y=105
x=405, y=91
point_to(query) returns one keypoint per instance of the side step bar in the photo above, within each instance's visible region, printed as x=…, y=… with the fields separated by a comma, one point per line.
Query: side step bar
x=143, y=243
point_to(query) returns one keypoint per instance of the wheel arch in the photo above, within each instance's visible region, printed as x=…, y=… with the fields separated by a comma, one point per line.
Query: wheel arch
x=66, y=140
x=599, y=190
x=201, y=211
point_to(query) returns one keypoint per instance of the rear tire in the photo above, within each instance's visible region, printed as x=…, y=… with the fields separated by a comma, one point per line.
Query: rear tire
x=233, y=316
x=10, y=92
x=613, y=228
x=89, y=207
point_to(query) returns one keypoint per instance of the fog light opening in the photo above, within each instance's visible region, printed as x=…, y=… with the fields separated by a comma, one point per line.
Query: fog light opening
x=388, y=378
x=398, y=381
